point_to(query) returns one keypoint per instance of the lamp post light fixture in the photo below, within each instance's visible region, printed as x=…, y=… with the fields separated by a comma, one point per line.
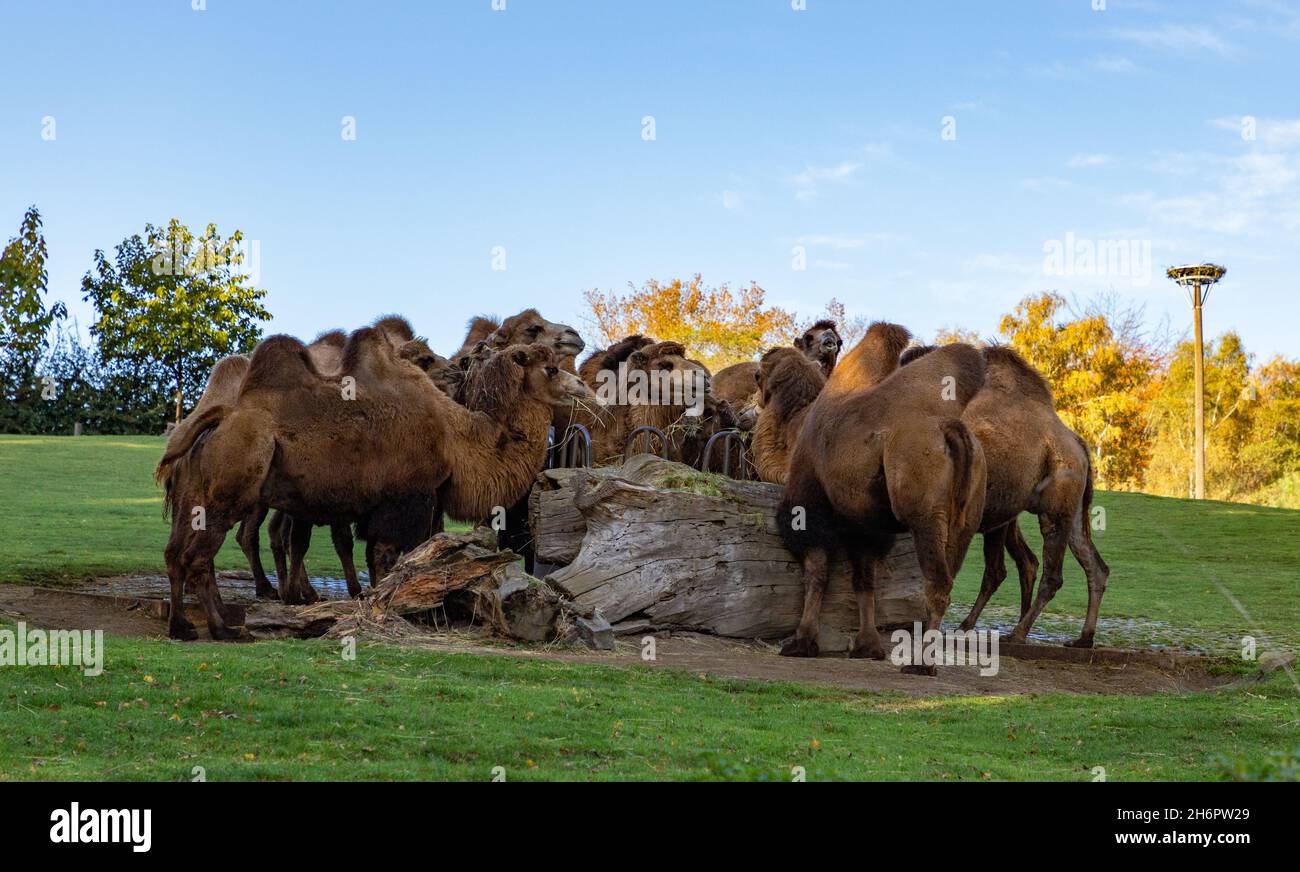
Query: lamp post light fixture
x=1197, y=280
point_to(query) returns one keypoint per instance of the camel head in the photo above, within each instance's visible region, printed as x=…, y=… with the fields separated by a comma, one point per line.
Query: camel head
x=529, y=327
x=418, y=352
x=821, y=343
x=543, y=379
x=689, y=378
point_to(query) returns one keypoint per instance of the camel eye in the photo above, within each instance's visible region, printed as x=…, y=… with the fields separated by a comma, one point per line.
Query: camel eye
x=534, y=330
x=666, y=365
x=552, y=371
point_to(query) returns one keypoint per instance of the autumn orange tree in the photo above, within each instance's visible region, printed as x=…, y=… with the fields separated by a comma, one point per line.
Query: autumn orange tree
x=1101, y=377
x=717, y=325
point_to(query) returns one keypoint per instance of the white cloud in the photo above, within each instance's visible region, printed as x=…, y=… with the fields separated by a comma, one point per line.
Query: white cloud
x=840, y=242
x=1109, y=64
x=808, y=182
x=1175, y=37
x=1081, y=161
x=733, y=201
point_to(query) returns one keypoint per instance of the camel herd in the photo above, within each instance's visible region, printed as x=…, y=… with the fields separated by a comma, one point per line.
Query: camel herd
x=373, y=433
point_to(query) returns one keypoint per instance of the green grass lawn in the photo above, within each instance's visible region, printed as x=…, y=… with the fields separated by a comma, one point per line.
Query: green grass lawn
x=298, y=710
x=76, y=508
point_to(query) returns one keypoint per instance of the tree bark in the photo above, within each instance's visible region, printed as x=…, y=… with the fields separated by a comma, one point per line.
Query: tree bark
x=660, y=542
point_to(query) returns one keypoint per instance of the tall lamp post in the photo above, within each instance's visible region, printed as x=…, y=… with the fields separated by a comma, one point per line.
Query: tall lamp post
x=1197, y=280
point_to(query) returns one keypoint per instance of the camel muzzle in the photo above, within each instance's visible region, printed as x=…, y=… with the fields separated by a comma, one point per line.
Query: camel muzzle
x=570, y=343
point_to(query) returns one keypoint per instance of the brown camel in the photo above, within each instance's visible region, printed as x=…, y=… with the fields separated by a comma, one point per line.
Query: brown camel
x=872, y=463
x=621, y=376
x=820, y=343
x=788, y=383
x=1036, y=464
x=326, y=352
x=789, y=380
x=294, y=442
x=526, y=327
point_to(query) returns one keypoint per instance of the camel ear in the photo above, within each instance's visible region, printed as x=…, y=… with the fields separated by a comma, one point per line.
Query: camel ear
x=798, y=343
x=637, y=360
x=521, y=356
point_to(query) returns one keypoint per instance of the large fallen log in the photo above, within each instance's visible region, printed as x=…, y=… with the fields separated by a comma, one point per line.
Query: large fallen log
x=660, y=542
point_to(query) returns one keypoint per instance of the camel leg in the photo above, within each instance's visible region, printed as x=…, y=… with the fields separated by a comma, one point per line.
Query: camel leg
x=297, y=590
x=868, y=643
x=1096, y=571
x=249, y=541
x=383, y=555
x=1026, y=565
x=341, y=536
x=278, y=532
x=196, y=562
x=1056, y=532
x=932, y=553
x=815, y=571
x=995, y=572
x=178, y=626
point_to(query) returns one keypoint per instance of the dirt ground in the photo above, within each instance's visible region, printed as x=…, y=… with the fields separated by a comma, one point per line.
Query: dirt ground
x=686, y=651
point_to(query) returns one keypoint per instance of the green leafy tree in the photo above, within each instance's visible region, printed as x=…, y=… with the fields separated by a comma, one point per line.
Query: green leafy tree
x=177, y=300
x=25, y=319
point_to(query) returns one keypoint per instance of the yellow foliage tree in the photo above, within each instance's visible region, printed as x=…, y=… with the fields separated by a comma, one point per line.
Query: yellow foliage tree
x=717, y=325
x=1101, y=378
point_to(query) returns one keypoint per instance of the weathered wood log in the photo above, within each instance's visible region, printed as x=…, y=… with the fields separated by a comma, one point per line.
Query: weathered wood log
x=456, y=574
x=659, y=541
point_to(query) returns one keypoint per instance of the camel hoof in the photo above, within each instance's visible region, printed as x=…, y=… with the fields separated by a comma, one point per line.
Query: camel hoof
x=868, y=652
x=1080, y=642
x=184, y=632
x=267, y=592
x=300, y=597
x=221, y=632
x=1016, y=638
x=919, y=670
x=967, y=625
x=797, y=647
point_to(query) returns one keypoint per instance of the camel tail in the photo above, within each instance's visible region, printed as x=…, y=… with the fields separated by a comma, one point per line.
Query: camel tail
x=961, y=445
x=202, y=424
x=1087, y=490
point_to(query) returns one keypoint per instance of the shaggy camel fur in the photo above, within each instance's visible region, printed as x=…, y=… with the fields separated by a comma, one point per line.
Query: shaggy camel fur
x=873, y=463
x=665, y=362
x=528, y=327
x=294, y=442
x=820, y=343
x=787, y=388
x=1036, y=464
x=326, y=352
x=788, y=383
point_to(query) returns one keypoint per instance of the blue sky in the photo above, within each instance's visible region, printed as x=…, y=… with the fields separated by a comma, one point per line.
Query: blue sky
x=1173, y=125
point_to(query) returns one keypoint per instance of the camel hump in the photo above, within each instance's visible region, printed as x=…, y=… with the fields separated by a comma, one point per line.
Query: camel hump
x=280, y=362
x=224, y=381
x=1028, y=381
x=958, y=366
x=892, y=338
x=915, y=352
x=396, y=327
x=335, y=338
